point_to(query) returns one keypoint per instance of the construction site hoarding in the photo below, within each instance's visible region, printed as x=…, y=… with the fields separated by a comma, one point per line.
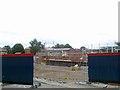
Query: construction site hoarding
x=104, y=67
x=17, y=68
x=1, y=68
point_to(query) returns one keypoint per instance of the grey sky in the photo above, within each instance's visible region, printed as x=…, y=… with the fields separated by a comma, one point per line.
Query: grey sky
x=77, y=22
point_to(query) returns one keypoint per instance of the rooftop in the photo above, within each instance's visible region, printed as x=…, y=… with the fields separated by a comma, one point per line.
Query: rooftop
x=58, y=49
x=2, y=49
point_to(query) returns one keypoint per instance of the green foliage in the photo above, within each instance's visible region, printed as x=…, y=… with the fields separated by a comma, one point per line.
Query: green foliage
x=118, y=43
x=83, y=48
x=18, y=48
x=35, y=46
x=67, y=46
x=62, y=46
x=8, y=48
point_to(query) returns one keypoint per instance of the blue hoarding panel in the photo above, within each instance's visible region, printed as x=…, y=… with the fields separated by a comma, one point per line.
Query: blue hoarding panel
x=17, y=69
x=104, y=67
x=0, y=69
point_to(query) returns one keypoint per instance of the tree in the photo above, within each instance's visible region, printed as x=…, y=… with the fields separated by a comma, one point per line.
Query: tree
x=62, y=46
x=118, y=43
x=18, y=48
x=35, y=46
x=83, y=49
x=67, y=46
x=118, y=47
x=8, y=48
x=57, y=45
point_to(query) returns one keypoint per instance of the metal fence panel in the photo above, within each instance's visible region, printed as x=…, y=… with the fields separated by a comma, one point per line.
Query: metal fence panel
x=17, y=69
x=104, y=67
x=1, y=68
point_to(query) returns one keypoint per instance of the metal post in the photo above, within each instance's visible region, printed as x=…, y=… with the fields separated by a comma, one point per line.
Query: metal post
x=107, y=47
x=91, y=48
x=99, y=48
x=112, y=49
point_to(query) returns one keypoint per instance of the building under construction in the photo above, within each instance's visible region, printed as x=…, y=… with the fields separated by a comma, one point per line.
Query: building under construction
x=62, y=57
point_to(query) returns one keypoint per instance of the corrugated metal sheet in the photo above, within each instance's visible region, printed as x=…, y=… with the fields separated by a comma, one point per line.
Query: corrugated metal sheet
x=104, y=67
x=0, y=69
x=17, y=68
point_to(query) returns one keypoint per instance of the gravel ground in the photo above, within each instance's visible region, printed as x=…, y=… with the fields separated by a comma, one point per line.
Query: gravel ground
x=65, y=77
x=53, y=84
x=29, y=86
x=60, y=73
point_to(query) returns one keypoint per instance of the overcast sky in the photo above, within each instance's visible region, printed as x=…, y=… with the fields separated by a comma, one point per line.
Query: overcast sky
x=77, y=22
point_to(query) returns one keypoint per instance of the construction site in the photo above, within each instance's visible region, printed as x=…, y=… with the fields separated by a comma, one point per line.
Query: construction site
x=61, y=68
x=61, y=64
x=73, y=69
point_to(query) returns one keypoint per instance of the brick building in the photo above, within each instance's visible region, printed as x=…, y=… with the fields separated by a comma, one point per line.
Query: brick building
x=62, y=55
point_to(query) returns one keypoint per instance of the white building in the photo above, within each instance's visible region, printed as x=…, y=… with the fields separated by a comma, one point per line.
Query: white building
x=3, y=51
x=57, y=51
